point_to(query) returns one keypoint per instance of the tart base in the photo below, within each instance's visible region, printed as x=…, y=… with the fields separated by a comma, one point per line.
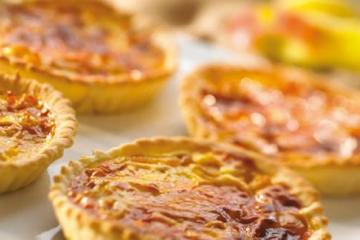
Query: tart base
x=97, y=97
x=333, y=181
x=13, y=178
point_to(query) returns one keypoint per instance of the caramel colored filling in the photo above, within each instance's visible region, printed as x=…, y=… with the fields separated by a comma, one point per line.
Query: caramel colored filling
x=284, y=117
x=75, y=40
x=204, y=196
x=25, y=124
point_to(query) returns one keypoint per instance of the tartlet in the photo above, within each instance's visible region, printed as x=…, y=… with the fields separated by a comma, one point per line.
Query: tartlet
x=293, y=116
x=178, y=188
x=36, y=124
x=101, y=59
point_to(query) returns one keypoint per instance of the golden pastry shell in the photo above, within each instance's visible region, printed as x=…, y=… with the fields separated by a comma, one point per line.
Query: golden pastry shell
x=331, y=176
x=77, y=224
x=19, y=173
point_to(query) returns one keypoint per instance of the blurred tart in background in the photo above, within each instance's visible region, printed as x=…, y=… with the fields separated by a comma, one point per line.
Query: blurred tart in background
x=36, y=124
x=313, y=33
x=293, y=116
x=178, y=188
x=99, y=58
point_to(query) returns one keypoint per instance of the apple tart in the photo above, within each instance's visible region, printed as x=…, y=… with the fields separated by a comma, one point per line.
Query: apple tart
x=36, y=124
x=178, y=188
x=99, y=58
x=293, y=116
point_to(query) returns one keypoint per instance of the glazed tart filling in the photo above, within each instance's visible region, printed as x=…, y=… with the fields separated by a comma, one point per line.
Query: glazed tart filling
x=74, y=40
x=283, y=117
x=213, y=195
x=25, y=124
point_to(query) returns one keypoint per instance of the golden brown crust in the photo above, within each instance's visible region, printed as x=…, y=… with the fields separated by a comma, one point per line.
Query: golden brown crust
x=81, y=221
x=91, y=53
x=309, y=153
x=24, y=170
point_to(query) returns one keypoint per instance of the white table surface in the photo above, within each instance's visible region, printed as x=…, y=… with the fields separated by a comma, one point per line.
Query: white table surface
x=27, y=214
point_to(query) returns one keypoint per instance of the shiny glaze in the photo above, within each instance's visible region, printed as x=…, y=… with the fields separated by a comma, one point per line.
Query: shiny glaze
x=189, y=197
x=284, y=117
x=25, y=122
x=75, y=40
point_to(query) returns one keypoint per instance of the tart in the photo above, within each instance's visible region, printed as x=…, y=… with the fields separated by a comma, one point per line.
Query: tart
x=178, y=188
x=102, y=60
x=293, y=116
x=36, y=124
x=319, y=34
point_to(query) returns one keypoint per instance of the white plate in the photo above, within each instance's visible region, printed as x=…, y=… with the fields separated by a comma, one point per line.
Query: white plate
x=27, y=214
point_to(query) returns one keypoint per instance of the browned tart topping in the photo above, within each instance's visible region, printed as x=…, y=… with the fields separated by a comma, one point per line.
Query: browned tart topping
x=282, y=117
x=202, y=196
x=75, y=40
x=25, y=123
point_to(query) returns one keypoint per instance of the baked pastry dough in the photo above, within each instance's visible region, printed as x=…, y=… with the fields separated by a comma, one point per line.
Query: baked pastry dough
x=311, y=33
x=288, y=114
x=99, y=58
x=177, y=188
x=36, y=124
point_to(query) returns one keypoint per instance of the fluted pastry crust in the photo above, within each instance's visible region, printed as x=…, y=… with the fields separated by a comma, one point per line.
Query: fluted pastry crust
x=36, y=124
x=178, y=188
x=99, y=58
x=291, y=115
